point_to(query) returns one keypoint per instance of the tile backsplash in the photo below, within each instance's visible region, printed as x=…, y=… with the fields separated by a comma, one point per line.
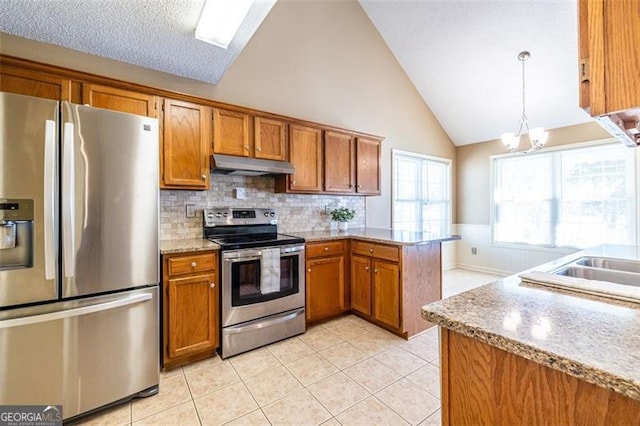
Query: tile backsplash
x=297, y=212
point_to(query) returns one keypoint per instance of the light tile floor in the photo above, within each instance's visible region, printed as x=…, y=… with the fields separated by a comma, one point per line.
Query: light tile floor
x=343, y=372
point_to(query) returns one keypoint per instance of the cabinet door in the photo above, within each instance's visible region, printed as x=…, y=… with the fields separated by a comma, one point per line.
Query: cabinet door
x=361, y=284
x=368, y=166
x=325, y=287
x=305, y=153
x=339, y=162
x=609, y=61
x=270, y=139
x=231, y=133
x=34, y=83
x=386, y=293
x=185, y=145
x=192, y=316
x=120, y=100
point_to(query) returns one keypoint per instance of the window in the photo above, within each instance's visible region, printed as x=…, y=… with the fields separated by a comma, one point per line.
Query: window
x=578, y=197
x=421, y=193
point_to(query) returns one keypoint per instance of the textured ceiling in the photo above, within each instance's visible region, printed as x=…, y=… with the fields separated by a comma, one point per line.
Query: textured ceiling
x=462, y=58
x=461, y=55
x=156, y=34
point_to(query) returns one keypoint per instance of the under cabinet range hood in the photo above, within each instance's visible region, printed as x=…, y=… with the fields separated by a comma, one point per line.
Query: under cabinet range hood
x=624, y=126
x=246, y=166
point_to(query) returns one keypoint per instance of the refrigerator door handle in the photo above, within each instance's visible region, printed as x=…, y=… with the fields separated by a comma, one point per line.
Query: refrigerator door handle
x=68, y=201
x=49, y=198
x=84, y=310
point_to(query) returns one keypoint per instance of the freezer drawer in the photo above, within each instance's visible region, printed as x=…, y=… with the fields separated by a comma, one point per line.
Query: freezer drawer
x=82, y=355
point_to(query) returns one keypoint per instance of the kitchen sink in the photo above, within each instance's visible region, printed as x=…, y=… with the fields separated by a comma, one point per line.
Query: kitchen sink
x=609, y=275
x=605, y=263
x=601, y=276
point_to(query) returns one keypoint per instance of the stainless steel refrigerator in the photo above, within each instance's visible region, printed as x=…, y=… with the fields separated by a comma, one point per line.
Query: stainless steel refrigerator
x=79, y=255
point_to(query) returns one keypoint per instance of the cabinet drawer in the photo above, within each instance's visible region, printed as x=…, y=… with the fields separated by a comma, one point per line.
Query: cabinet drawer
x=376, y=250
x=325, y=248
x=191, y=263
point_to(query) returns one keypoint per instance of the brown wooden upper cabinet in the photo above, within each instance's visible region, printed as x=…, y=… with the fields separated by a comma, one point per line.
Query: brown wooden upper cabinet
x=270, y=139
x=186, y=145
x=339, y=162
x=28, y=82
x=609, y=58
x=231, y=133
x=305, y=153
x=368, y=166
x=120, y=100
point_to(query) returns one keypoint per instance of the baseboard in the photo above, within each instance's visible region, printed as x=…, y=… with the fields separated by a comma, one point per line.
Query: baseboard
x=476, y=268
x=449, y=266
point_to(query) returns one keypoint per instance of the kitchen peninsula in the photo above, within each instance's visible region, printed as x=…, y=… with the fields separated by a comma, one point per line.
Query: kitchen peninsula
x=513, y=353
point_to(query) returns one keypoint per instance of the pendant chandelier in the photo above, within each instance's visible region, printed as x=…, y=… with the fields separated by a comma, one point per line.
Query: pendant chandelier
x=537, y=136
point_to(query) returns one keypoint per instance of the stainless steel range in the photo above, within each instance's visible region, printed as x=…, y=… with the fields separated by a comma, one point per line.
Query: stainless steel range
x=263, y=286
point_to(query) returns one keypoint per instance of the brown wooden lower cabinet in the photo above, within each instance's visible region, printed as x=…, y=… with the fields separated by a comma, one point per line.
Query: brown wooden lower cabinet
x=376, y=290
x=190, y=304
x=327, y=290
x=390, y=283
x=484, y=385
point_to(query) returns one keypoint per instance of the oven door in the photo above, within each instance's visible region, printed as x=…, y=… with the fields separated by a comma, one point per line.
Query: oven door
x=260, y=282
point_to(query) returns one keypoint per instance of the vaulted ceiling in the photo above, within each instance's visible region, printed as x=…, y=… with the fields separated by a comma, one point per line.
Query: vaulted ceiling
x=460, y=55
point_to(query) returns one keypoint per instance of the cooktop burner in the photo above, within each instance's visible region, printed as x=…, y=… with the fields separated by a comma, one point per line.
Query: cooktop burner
x=252, y=241
x=244, y=228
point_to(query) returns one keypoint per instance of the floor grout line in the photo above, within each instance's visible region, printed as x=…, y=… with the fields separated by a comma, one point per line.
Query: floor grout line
x=336, y=328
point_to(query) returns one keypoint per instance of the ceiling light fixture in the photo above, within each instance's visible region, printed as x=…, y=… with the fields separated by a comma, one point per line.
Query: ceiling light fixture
x=220, y=20
x=537, y=136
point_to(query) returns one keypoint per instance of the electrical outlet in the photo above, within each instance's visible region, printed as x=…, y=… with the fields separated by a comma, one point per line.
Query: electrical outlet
x=328, y=208
x=190, y=210
x=474, y=250
x=241, y=193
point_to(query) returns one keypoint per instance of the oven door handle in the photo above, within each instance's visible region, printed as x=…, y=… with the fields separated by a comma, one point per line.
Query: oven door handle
x=276, y=319
x=242, y=259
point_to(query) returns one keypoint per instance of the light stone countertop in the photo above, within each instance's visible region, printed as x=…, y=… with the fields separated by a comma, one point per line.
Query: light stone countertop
x=588, y=337
x=186, y=245
x=379, y=235
x=388, y=236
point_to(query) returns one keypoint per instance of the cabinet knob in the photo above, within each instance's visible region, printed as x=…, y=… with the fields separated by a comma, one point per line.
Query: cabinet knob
x=293, y=182
x=258, y=149
x=370, y=250
x=212, y=285
x=309, y=270
x=375, y=271
x=366, y=268
x=204, y=177
x=359, y=186
x=350, y=186
x=326, y=249
x=246, y=147
x=194, y=264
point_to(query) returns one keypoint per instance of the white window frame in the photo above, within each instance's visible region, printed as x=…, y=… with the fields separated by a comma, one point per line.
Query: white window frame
x=449, y=177
x=555, y=249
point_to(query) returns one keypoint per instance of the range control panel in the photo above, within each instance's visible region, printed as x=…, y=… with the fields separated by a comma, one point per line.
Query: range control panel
x=232, y=216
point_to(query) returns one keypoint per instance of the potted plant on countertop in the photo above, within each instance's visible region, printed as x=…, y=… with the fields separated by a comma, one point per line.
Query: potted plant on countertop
x=342, y=215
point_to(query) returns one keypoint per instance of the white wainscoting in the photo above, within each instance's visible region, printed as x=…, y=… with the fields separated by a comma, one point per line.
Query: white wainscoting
x=449, y=255
x=494, y=259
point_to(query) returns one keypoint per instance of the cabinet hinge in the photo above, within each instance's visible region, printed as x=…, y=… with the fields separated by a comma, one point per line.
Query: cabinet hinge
x=584, y=70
